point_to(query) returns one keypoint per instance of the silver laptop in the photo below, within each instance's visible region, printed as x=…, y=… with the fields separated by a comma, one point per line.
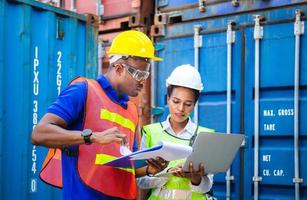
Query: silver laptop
x=215, y=150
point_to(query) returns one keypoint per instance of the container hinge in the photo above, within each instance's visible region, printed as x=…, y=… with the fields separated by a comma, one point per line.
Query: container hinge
x=229, y=178
x=298, y=180
x=258, y=29
x=202, y=5
x=257, y=178
x=231, y=36
x=298, y=25
x=198, y=39
x=235, y=3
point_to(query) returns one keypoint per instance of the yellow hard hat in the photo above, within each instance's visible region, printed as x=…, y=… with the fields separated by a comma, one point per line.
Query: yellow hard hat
x=133, y=43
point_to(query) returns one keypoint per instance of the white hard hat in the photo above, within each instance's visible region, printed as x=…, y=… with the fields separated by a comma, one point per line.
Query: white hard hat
x=185, y=76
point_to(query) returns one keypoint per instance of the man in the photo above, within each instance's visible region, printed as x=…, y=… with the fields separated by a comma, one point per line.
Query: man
x=89, y=121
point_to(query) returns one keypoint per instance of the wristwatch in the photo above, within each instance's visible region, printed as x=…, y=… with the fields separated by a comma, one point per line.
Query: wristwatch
x=86, y=133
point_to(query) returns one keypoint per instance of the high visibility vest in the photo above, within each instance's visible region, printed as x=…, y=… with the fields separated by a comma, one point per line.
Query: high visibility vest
x=101, y=113
x=176, y=187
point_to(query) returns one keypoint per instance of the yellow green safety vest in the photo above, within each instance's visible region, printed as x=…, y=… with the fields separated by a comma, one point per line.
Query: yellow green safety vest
x=176, y=188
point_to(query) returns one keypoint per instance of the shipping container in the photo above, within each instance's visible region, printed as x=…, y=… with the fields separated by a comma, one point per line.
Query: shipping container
x=120, y=8
x=254, y=68
x=107, y=8
x=186, y=10
x=80, y=6
x=114, y=14
x=114, y=25
x=42, y=49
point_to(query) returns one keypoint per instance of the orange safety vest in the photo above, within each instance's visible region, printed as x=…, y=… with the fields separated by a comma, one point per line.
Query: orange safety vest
x=100, y=114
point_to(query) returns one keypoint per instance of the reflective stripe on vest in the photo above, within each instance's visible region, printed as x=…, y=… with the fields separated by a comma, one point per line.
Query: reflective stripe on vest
x=176, y=188
x=104, y=158
x=116, y=118
x=162, y=193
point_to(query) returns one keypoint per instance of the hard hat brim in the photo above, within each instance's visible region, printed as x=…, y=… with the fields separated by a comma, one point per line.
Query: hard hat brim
x=153, y=58
x=157, y=59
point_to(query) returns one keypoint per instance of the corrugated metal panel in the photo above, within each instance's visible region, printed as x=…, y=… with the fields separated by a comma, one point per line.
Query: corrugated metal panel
x=186, y=10
x=85, y=6
x=1, y=88
x=42, y=49
x=140, y=15
x=175, y=5
x=276, y=111
x=136, y=13
x=114, y=24
x=276, y=151
x=113, y=8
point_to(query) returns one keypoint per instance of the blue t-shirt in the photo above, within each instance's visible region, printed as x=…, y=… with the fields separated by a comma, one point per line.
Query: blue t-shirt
x=70, y=106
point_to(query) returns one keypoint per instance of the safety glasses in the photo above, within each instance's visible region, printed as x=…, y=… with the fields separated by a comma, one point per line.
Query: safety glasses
x=138, y=75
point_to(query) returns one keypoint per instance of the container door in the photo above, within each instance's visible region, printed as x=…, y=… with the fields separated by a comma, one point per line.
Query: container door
x=276, y=166
x=213, y=101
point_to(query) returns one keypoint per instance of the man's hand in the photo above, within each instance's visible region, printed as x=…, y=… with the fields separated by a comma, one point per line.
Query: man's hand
x=108, y=136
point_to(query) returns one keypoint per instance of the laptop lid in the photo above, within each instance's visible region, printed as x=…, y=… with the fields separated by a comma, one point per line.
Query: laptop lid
x=215, y=150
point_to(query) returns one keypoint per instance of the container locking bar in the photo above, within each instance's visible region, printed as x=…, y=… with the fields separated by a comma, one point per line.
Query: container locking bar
x=298, y=31
x=258, y=35
x=197, y=45
x=230, y=39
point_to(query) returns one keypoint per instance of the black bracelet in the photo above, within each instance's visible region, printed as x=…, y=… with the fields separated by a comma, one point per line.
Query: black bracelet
x=147, y=173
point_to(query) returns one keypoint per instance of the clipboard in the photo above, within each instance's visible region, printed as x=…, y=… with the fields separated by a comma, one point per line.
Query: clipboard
x=128, y=161
x=215, y=150
x=166, y=150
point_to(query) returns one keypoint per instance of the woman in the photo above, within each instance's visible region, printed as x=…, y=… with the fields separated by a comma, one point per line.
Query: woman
x=183, y=89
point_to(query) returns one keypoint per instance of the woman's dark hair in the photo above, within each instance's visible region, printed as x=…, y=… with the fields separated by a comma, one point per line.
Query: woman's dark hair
x=170, y=89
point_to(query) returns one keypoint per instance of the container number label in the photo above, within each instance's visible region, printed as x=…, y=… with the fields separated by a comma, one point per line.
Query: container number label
x=286, y=112
x=274, y=114
x=33, y=185
x=34, y=159
x=59, y=73
x=33, y=181
x=274, y=172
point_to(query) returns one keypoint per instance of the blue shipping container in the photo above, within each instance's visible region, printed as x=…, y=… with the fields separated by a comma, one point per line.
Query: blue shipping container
x=42, y=48
x=262, y=107
x=185, y=10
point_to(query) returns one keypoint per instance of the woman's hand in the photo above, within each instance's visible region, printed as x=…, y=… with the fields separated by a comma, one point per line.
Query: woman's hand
x=193, y=175
x=155, y=165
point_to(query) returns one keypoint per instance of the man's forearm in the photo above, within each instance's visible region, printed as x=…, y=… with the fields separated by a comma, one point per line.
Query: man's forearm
x=53, y=136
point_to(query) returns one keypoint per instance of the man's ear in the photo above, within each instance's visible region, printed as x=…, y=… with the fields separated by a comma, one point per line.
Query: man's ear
x=118, y=68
